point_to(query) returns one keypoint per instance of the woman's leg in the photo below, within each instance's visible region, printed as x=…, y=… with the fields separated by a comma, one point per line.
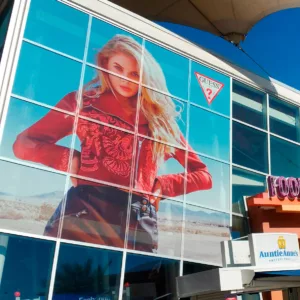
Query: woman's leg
x=94, y=214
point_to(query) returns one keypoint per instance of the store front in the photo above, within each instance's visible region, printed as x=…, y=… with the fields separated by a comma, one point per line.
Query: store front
x=127, y=152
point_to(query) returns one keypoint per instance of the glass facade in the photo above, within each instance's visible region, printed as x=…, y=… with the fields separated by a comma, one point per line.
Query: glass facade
x=126, y=163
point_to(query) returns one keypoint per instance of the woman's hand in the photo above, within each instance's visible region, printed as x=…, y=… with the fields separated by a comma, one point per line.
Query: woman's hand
x=75, y=168
x=155, y=199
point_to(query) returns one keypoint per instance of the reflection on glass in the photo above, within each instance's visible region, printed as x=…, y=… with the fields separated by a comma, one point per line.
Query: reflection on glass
x=209, y=89
x=57, y=26
x=169, y=217
x=285, y=158
x=153, y=231
x=249, y=105
x=26, y=265
x=209, y=133
x=87, y=273
x=106, y=39
x=26, y=206
x=190, y=267
x=249, y=147
x=164, y=170
x=110, y=107
x=149, y=278
x=93, y=213
x=40, y=70
x=170, y=75
x=284, y=119
x=213, y=188
x=204, y=231
x=240, y=227
x=175, y=110
x=106, y=153
x=34, y=133
x=245, y=184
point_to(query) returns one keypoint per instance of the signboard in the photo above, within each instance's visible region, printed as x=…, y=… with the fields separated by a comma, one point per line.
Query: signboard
x=273, y=248
x=284, y=187
x=209, y=86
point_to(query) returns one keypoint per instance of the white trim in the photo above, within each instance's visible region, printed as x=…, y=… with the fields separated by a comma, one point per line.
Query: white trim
x=29, y=235
x=52, y=50
x=123, y=269
x=13, y=46
x=230, y=152
x=268, y=131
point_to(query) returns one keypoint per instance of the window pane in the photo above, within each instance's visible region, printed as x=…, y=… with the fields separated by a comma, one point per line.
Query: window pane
x=148, y=278
x=211, y=90
x=284, y=119
x=37, y=134
x=169, y=171
x=190, y=268
x=249, y=105
x=213, y=138
x=285, y=158
x=57, y=26
x=176, y=112
x=162, y=235
x=240, y=227
x=107, y=107
x=249, y=147
x=204, y=231
x=94, y=213
x=25, y=267
x=245, y=184
x=39, y=70
x=25, y=205
x=85, y=273
x=4, y=23
x=159, y=63
x=212, y=185
x=99, y=47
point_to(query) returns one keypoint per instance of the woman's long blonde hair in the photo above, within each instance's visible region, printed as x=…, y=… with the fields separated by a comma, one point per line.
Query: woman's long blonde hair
x=158, y=109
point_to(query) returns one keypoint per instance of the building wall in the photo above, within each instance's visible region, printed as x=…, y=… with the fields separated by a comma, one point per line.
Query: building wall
x=230, y=132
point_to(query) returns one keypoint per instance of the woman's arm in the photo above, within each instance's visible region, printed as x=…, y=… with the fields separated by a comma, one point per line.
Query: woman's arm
x=38, y=142
x=198, y=177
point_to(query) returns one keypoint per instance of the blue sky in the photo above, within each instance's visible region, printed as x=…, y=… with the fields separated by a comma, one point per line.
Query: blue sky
x=273, y=43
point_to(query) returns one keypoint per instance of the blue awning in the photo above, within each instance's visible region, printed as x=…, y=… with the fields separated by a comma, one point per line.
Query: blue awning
x=279, y=273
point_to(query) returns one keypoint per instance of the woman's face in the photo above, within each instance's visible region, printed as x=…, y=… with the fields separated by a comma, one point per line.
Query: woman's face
x=124, y=65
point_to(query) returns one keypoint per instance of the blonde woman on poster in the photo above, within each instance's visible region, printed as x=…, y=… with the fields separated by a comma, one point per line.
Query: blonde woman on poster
x=94, y=211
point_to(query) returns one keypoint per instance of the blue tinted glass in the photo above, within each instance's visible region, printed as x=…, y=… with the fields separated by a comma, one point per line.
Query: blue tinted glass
x=204, y=230
x=174, y=67
x=57, y=26
x=249, y=105
x=209, y=133
x=26, y=265
x=20, y=116
x=240, y=227
x=245, y=184
x=191, y=267
x=210, y=89
x=26, y=206
x=44, y=76
x=249, y=147
x=149, y=277
x=101, y=34
x=284, y=119
x=217, y=196
x=285, y=158
x=87, y=273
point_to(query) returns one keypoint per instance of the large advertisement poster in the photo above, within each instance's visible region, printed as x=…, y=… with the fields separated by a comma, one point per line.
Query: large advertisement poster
x=113, y=140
